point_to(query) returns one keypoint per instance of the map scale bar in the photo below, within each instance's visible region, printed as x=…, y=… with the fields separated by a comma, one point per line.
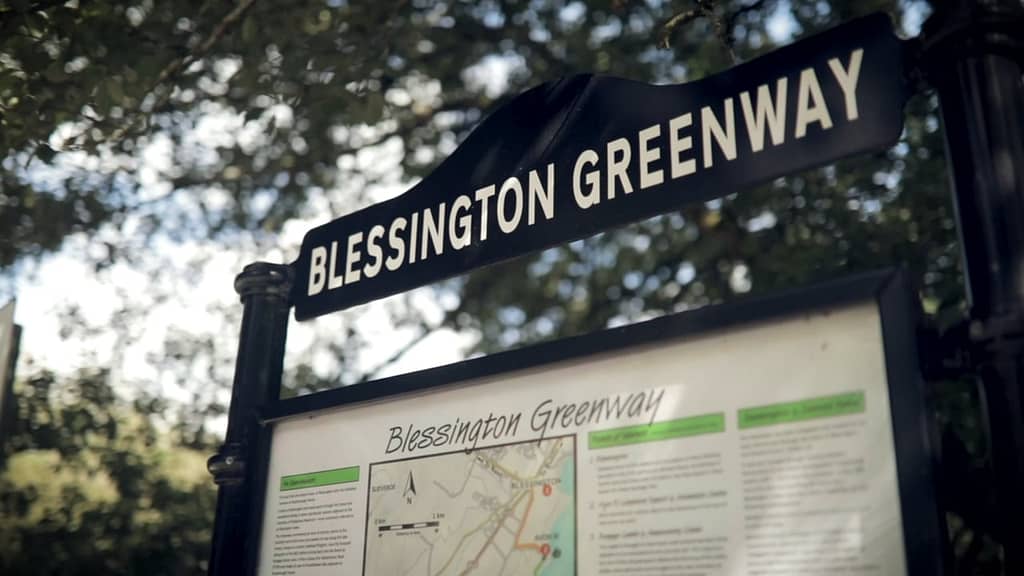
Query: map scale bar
x=413, y=526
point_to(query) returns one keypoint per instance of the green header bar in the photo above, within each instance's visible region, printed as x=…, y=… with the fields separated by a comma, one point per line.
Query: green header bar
x=691, y=426
x=324, y=478
x=810, y=409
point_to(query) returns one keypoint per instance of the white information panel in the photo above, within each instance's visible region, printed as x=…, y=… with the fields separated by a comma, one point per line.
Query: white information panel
x=763, y=449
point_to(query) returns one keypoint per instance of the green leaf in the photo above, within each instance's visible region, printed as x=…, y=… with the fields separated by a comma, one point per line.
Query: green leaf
x=252, y=114
x=250, y=27
x=45, y=153
x=55, y=72
x=114, y=90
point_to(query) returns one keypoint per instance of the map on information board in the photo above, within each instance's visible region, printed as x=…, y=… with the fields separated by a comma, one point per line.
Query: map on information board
x=507, y=510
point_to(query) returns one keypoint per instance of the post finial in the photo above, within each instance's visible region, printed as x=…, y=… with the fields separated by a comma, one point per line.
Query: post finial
x=264, y=278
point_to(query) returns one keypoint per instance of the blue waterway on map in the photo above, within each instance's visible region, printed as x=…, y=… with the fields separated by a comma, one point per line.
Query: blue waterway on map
x=565, y=527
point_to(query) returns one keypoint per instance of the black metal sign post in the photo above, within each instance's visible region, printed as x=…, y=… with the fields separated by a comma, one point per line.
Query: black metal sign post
x=238, y=468
x=566, y=160
x=973, y=55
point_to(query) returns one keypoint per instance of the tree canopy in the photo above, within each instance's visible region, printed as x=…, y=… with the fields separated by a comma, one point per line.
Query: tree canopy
x=131, y=128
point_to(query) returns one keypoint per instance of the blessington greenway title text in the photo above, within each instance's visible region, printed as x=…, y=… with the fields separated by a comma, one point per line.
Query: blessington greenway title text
x=664, y=150
x=547, y=417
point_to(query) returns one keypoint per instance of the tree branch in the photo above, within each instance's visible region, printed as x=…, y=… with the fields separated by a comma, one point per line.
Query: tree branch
x=10, y=17
x=730, y=25
x=669, y=27
x=169, y=71
x=723, y=26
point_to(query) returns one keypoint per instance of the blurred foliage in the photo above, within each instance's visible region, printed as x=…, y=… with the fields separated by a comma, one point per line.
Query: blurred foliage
x=145, y=122
x=92, y=486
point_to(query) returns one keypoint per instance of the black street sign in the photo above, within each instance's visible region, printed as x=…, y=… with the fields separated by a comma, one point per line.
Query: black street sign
x=571, y=158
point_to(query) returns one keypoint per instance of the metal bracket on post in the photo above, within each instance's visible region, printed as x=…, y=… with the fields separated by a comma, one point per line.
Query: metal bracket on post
x=227, y=466
x=986, y=352
x=239, y=465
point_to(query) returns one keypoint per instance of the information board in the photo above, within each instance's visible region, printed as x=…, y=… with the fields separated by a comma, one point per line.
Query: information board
x=709, y=443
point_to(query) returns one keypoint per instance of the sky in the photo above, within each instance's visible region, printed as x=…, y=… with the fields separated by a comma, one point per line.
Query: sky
x=65, y=279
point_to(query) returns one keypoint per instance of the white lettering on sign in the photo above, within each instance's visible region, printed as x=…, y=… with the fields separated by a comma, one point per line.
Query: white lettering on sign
x=714, y=132
x=543, y=194
x=592, y=195
x=649, y=155
x=767, y=113
x=514, y=190
x=460, y=227
x=373, y=248
x=810, y=104
x=678, y=144
x=654, y=154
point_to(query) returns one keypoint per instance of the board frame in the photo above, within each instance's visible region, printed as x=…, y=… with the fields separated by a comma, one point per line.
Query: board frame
x=889, y=289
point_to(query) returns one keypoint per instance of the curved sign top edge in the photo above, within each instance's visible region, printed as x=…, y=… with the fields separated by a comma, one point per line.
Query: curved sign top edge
x=572, y=157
